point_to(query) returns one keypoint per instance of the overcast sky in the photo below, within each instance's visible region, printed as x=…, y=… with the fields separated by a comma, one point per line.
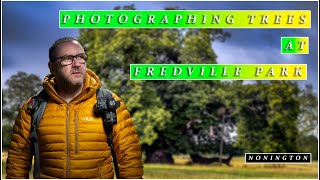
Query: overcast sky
x=29, y=29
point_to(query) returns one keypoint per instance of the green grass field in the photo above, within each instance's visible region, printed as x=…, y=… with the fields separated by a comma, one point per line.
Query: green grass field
x=238, y=170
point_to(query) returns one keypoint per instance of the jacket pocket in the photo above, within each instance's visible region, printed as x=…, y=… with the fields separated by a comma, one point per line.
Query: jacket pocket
x=76, y=120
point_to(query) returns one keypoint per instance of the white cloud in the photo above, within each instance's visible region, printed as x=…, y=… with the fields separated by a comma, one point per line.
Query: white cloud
x=231, y=54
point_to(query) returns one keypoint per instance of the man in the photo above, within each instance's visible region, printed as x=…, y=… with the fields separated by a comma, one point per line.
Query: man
x=72, y=140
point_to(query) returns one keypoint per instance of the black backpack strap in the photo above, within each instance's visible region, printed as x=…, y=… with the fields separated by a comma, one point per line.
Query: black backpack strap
x=36, y=106
x=107, y=106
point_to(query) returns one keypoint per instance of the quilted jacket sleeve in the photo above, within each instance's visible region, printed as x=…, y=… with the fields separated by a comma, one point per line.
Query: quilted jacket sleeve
x=126, y=143
x=20, y=156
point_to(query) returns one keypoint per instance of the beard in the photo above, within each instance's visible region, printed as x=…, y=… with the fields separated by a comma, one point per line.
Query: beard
x=69, y=82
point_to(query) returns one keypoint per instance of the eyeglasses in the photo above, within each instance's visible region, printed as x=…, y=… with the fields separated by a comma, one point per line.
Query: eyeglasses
x=68, y=59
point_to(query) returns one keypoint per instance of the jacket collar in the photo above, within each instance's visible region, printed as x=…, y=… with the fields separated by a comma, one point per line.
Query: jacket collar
x=90, y=86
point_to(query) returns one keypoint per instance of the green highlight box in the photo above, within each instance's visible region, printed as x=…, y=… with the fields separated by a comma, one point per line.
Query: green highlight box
x=294, y=45
x=185, y=19
x=218, y=71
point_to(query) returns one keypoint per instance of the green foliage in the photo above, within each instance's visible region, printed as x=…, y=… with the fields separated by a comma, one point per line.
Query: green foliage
x=268, y=121
x=308, y=122
x=6, y=135
x=308, y=144
x=150, y=116
x=19, y=88
x=282, y=117
x=308, y=119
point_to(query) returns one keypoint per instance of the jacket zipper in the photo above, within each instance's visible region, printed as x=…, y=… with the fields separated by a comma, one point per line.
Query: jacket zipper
x=76, y=131
x=68, y=146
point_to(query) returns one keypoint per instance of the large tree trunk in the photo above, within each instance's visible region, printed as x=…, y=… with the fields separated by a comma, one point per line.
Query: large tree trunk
x=196, y=158
x=159, y=156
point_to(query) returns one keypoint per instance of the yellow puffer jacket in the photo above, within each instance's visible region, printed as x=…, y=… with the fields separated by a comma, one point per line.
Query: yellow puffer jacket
x=72, y=140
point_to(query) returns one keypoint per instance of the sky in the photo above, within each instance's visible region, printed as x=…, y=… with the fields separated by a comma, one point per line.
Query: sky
x=30, y=28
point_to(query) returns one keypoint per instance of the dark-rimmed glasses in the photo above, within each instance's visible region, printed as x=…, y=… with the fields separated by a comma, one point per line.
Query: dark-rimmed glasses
x=68, y=59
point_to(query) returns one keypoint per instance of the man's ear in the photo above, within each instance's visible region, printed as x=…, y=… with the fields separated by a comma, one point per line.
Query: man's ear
x=52, y=67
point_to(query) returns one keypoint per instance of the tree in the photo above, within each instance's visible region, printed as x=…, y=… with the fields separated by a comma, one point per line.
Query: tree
x=160, y=109
x=308, y=144
x=253, y=117
x=308, y=118
x=269, y=117
x=284, y=109
x=308, y=122
x=19, y=88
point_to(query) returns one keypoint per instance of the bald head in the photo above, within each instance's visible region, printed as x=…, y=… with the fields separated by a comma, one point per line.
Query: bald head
x=59, y=45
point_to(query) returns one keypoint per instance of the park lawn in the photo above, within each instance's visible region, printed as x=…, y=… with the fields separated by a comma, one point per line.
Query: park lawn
x=238, y=170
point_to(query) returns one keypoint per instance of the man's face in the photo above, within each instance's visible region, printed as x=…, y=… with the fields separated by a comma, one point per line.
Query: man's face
x=72, y=75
